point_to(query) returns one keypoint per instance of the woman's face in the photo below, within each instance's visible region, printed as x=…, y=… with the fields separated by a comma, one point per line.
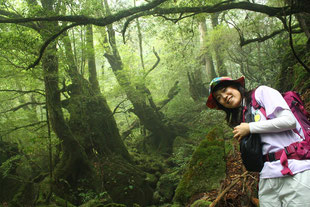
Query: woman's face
x=228, y=96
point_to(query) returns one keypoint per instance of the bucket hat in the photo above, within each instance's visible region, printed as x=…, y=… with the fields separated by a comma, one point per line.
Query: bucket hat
x=211, y=103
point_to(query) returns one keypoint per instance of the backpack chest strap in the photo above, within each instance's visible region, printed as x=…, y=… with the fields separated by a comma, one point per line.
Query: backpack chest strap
x=256, y=105
x=290, y=151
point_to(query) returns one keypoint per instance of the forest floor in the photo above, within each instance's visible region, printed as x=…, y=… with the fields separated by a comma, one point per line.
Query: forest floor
x=239, y=189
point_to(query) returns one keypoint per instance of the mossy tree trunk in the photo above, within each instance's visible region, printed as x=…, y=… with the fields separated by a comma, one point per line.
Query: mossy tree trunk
x=91, y=119
x=163, y=132
x=91, y=133
x=73, y=164
x=94, y=126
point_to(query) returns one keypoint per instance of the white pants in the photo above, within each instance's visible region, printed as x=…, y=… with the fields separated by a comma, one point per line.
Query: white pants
x=289, y=191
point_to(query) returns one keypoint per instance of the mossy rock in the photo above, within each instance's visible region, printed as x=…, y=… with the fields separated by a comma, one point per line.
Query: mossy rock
x=206, y=168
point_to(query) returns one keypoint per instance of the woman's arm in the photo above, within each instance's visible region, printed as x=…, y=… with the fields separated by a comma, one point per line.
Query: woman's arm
x=284, y=120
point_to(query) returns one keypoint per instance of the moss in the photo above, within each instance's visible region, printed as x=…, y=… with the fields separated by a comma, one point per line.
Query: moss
x=176, y=205
x=25, y=195
x=114, y=205
x=166, y=187
x=205, y=170
x=201, y=203
x=61, y=202
x=125, y=183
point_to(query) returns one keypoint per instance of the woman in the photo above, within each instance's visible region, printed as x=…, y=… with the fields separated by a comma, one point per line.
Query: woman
x=279, y=185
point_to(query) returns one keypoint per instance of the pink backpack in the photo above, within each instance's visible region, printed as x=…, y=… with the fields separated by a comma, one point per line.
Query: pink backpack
x=297, y=150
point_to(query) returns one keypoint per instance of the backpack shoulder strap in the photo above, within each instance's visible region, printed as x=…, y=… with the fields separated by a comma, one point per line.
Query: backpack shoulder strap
x=256, y=105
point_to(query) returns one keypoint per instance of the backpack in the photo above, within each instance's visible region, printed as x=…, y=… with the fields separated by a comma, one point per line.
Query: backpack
x=298, y=150
x=251, y=146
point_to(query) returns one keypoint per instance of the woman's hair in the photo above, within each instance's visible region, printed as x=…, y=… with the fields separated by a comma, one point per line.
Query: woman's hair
x=234, y=115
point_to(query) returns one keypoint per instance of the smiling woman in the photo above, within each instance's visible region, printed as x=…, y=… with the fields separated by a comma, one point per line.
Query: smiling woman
x=228, y=96
x=283, y=181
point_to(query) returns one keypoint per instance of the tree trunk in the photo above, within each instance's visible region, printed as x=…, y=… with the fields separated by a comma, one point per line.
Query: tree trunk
x=197, y=84
x=74, y=164
x=95, y=127
x=221, y=69
x=163, y=133
x=206, y=56
x=91, y=119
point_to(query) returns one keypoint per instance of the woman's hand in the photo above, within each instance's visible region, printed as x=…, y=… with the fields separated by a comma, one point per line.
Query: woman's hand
x=241, y=131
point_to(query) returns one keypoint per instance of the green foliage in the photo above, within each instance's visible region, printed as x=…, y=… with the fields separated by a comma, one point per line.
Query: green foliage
x=9, y=165
x=292, y=73
x=218, y=39
x=165, y=187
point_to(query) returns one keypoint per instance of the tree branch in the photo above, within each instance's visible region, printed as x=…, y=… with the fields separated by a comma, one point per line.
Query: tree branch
x=78, y=20
x=149, y=9
x=171, y=94
x=47, y=42
x=262, y=39
x=146, y=10
x=20, y=127
x=16, y=16
x=223, y=6
x=24, y=92
x=21, y=106
x=10, y=62
x=155, y=65
x=176, y=20
x=83, y=20
x=118, y=105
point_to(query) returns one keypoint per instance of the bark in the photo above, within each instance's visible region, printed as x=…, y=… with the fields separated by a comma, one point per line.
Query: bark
x=74, y=163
